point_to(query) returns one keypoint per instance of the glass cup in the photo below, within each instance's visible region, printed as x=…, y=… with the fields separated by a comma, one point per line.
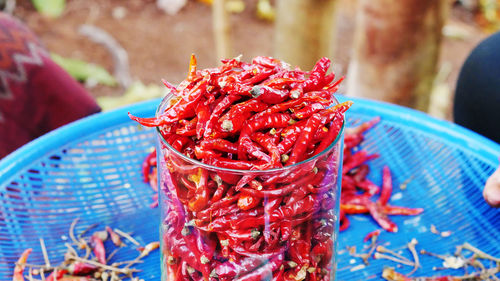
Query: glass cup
x=226, y=224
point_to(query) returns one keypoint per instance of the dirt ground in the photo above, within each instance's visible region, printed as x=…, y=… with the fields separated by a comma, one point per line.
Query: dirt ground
x=159, y=45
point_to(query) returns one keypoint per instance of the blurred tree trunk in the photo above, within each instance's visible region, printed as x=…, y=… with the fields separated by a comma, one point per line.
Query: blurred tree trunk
x=222, y=29
x=396, y=48
x=304, y=31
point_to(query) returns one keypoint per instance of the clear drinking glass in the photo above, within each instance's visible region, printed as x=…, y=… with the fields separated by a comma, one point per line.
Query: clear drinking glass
x=225, y=224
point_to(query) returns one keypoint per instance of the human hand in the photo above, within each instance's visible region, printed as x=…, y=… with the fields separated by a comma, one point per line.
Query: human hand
x=491, y=192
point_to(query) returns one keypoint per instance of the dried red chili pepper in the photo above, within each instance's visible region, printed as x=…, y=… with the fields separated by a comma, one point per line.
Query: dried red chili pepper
x=182, y=109
x=376, y=211
x=233, y=120
x=203, y=114
x=307, y=111
x=192, y=68
x=385, y=194
x=20, y=265
x=304, y=139
x=316, y=79
x=189, y=128
x=259, y=77
x=267, y=62
x=267, y=141
x=265, y=271
x=396, y=210
x=114, y=237
x=356, y=160
x=322, y=252
x=275, y=120
x=98, y=249
x=201, y=197
x=269, y=95
x=332, y=134
x=220, y=145
x=56, y=275
x=80, y=269
x=247, y=202
x=371, y=235
x=231, y=269
x=225, y=103
x=147, y=165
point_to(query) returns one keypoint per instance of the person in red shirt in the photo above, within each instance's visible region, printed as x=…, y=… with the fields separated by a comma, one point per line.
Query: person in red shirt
x=36, y=95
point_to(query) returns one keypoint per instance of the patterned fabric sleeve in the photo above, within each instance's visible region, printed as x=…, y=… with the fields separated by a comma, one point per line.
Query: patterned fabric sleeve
x=36, y=95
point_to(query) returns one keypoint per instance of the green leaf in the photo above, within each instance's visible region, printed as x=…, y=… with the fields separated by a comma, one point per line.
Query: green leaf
x=84, y=71
x=50, y=8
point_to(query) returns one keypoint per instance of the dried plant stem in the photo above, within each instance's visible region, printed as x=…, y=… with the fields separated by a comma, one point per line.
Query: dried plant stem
x=404, y=185
x=80, y=243
x=394, y=259
x=127, y=236
x=125, y=270
x=480, y=254
x=87, y=248
x=112, y=254
x=71, y=249
x=41, y=266
x=44, y=252
x=72, y=231
x=126, y=262
x=42, y=274
x=382, y=249
x=30, y=274
x=411, y=247
x=424, y=252
x=87, y=230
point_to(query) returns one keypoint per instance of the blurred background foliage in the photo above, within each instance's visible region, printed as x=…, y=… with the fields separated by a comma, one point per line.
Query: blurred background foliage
x=148, y=40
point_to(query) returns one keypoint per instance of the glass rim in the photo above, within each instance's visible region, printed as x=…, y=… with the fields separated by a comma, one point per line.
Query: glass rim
x=258, y=172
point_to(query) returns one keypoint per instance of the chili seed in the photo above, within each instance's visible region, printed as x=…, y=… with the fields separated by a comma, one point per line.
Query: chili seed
x=204, y=260
x=284, y=158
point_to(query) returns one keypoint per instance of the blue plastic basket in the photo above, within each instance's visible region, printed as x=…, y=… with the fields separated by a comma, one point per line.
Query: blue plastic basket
x=91, y=169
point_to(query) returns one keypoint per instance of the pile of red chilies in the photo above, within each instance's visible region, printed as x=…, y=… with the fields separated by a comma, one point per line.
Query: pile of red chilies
x=357, y=189
x=250, y=116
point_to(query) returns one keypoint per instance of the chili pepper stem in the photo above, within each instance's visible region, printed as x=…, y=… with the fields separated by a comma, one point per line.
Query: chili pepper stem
x=479, y=253
x=384, y=250
x=104, y=266
x=44, y=252
x=416, y=259
x=72, y=231
x=378, y=255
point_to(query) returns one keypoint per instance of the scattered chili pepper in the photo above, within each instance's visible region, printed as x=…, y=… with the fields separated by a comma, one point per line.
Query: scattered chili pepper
x=114, y=237
x=354, y=179
x=148, y=164
x=19, y=268
x=57, y=275
x=78, y=266
x=385, y=194
x=371, y=235
x=98, y=249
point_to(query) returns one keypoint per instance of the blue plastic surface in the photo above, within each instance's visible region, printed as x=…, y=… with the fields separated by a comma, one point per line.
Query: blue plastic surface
x=91, y=169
